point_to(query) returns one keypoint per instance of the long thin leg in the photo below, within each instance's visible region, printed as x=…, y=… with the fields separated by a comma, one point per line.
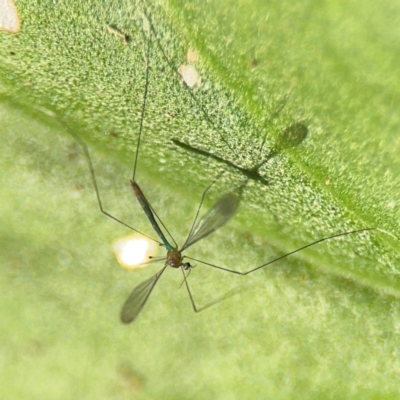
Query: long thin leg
x=146, y=89
x=163, y=225
x=212, y=303
x=145, y=204
x=186, y=276
x=281, y=257
x=94, y=181
x=199, y=207
x=89, y=160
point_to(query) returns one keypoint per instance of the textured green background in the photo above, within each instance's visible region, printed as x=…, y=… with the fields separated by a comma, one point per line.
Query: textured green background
x=323, y=324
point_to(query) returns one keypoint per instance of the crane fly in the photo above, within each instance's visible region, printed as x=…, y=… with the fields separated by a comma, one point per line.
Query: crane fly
x=216, y=217
x=291, y=136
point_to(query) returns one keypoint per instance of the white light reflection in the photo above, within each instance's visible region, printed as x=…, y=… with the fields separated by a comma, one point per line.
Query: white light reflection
x=131, y=251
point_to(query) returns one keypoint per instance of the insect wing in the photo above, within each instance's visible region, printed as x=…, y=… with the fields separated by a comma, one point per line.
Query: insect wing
x=214, y=219
x=138, y=298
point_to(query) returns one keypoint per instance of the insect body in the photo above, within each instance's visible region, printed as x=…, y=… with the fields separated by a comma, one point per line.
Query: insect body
x=218, y=215
x=214, y=219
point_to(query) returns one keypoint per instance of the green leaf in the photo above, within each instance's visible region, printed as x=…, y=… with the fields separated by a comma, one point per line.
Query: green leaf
x=321, y=323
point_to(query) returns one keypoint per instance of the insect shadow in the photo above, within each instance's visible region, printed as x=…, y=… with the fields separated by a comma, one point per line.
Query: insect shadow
x=292, y=136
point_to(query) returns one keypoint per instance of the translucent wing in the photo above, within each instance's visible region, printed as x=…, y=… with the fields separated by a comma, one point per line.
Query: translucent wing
x=138, y=298
x=214, y=219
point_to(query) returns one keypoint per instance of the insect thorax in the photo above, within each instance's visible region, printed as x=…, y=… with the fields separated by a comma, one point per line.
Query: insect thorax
x=174, y=258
